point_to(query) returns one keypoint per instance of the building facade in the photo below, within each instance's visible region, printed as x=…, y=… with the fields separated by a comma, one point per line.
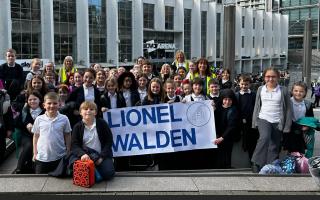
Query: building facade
x=116, y=32
x=298, y=11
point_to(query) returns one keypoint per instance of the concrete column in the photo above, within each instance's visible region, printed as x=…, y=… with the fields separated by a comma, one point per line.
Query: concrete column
x=6, y=27
x=82, y=32
x=178, y=24
x=229, y=39
x=211, y=31
x=159, y=15
x=47, y=31
x=307, y=51
x=196, y=29
x=112, y=32
x=137, y=29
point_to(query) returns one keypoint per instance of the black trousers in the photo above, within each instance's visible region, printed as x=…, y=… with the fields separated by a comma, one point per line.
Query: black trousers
x=46, y=167
x=2, y=144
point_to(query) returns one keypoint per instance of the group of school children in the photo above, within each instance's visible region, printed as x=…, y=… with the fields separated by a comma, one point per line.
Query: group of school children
x=59, y=114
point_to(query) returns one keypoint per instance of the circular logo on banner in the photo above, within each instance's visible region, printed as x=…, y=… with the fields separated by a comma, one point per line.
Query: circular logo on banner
x=198, y=114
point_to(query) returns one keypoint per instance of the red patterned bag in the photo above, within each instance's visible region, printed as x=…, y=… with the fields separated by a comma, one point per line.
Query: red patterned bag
x=83, y=173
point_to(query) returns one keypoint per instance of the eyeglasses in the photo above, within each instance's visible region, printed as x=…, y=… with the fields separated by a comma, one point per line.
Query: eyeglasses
x=270, y=77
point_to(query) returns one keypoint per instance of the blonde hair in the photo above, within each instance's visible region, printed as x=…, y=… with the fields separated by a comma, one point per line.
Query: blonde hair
x=88, y=104
x=52, y=96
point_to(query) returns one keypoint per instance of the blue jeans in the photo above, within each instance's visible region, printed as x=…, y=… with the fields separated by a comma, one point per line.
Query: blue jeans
x=106, y=169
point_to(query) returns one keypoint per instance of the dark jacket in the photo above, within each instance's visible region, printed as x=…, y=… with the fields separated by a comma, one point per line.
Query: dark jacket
x=77, y=96
x=135, y=97
x=226, y=122
x=104, y=134
x=105, y=101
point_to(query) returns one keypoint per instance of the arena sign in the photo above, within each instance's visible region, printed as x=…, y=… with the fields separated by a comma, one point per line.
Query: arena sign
x=151, y=46
x=161, y=128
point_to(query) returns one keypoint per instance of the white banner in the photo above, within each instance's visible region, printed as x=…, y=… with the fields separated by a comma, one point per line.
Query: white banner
x=161, y=128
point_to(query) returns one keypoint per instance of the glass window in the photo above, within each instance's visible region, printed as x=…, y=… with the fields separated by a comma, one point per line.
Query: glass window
x=242, y=41
x=64, y=29
x=148, y=15
x=97, y=31
x=304, y=13
x=295, y=2
x=203, y=33
x=169, y=17
x=187, y=33
x=314, y=13
x=253, y=42
x=254, y=23
x=294, y=15
x=158, y=37
x=125, y=30
x=218, y=22
x=243, y=21
x=26, y=28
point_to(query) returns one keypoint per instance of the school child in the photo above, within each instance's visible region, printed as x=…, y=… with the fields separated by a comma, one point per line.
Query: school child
x=214, y=91
x=78, y=81
x=113, y=73
x=148, y=69
x=112, y=98
x=51, y=136
x=155, y=93
x=226, y=116
x=272, y=115
x=50, y=80
x=192, y=70
x=36, y=83
x=200, y=157
x=87, y=91
x=11, y=75
x=142, y=82
x=26, y=120
x=92, y=140
x=294, y=140
x=197, y=91
x=182, y=72
x=35, y=69
x=169, y=88
x=165, y=72
x=128, y=86
x=177, y=81
x=186, y=88
x=49, y=68
x=100, y=80
x=67, y=108
x=225, y=81
x=246, y=100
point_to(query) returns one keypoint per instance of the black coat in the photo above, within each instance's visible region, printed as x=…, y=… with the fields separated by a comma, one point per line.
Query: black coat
x=105, y=101
x=104, y=134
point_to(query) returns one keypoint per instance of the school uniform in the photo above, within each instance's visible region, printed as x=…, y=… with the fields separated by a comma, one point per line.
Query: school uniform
x=111, y=101
x=98, y=138
x=294, y=140
x=51, y=144
x=246, y=101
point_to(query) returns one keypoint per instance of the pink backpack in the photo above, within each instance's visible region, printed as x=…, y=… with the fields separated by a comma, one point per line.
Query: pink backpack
x=301, y=163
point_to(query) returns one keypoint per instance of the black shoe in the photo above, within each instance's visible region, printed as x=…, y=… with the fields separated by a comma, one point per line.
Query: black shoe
x=255, y=168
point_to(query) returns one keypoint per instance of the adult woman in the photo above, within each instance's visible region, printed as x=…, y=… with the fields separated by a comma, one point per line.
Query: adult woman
x=67, y=69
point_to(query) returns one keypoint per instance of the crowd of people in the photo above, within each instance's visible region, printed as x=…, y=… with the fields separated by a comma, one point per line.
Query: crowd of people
x=57, y=113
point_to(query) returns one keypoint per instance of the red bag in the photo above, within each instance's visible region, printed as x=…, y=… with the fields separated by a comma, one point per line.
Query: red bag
x=83, y=173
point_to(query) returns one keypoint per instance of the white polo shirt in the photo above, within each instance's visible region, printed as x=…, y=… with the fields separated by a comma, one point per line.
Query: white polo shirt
x=270, y=104
x=51, y=145
x=91, y=138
